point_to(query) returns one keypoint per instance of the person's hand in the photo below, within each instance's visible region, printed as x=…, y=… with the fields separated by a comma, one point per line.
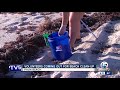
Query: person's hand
x=62, y=29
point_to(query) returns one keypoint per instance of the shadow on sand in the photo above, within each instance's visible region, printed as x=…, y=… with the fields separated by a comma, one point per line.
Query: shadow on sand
x=85, y=57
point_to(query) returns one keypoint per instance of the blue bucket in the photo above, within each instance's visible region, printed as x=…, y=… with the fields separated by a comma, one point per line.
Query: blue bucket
x=60, y=46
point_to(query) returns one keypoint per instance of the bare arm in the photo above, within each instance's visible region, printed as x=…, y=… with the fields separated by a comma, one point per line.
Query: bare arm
x=65, y=19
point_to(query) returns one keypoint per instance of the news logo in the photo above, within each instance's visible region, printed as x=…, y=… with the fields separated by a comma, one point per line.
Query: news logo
x=103, y=69
x=15, y=68
x=104, y=65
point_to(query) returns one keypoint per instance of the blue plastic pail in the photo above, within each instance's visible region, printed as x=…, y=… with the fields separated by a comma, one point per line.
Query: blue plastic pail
x=60, y=46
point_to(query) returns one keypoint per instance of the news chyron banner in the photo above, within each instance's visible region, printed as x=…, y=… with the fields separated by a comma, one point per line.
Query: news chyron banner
x=60, y=67
x=101, y=69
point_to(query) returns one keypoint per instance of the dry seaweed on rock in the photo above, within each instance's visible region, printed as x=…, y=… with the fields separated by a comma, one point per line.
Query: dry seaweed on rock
x=21, y=50
x=97, y=19
x=50, y=26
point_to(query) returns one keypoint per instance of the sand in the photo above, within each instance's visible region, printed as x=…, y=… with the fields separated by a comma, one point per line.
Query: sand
x=87, y=52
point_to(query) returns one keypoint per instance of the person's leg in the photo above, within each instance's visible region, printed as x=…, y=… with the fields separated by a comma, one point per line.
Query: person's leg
x=65, y=18
x=74, y=27
x=78, y=34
